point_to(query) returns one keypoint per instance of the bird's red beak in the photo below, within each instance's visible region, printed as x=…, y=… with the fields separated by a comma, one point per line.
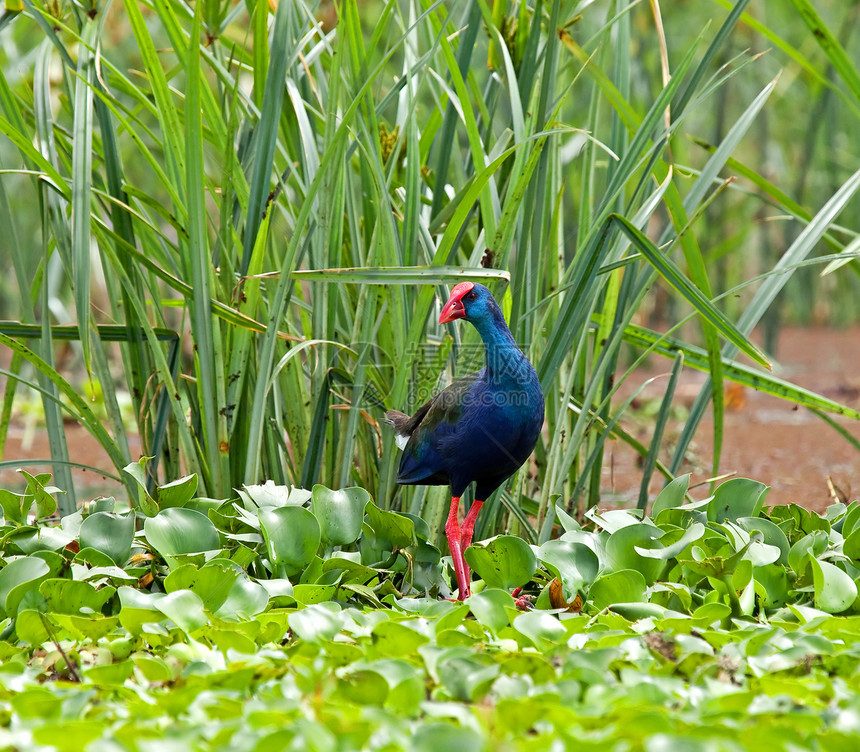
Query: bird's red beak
x=454, y=308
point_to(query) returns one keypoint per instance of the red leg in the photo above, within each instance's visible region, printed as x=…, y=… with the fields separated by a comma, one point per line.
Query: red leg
x=452, y=531
x=469, y=524
x=466, y=532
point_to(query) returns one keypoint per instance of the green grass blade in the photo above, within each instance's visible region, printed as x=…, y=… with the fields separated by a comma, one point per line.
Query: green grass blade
x=673, y=276
x=82, y=154
x=660, y=422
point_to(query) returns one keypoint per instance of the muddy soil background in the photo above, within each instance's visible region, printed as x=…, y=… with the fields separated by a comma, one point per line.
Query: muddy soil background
x=804, y=460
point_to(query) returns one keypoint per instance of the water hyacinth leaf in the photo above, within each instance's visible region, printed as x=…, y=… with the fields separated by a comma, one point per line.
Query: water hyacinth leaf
x=811, y=545
x=315, y=623
x=624, y=586
x=13, y=506
x=211, y=583
x=16, y=578
x=73, y=596
x=177, y=493
x=363, y=686
x=709, y=613
x=310, y=593
x=177, y=531
x=245, y=600
x=672, y=495
x=339, y=513
x=851, y=545
x=398, y=639
x=772, y=534
x=466, y=677
x=851, y=519
x=130, y=597
x=270, y=494
x=41, y=539
x=623, y=544
x=835, y=591
x=772, y=585
x=738, y=497
x=636, y=611
x=111, y=534
x=575, y=564
x=96, y=559
x=397, y=529
x=490, y=608
x=691, y=535
x=144, y=501
x=613, y=520
x=35, y=627
x=437, y=735
x=184, y=609
x=503, y=562
x=760, y=553
x=540, y=627
x=567, y=522
x=292, y=536
x=46, y=504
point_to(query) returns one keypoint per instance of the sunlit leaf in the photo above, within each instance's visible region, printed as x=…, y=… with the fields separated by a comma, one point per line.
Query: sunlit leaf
x=339, y=513
x=181, y=531
x=292, y=537
x=502, y=562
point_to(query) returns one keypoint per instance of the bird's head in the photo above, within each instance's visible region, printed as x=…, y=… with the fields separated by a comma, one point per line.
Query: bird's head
x=470, y=301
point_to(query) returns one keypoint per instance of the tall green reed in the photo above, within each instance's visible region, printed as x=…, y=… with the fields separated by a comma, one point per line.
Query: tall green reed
x=291, y=199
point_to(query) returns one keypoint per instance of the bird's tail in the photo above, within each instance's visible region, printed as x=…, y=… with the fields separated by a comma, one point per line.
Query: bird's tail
x=400, y=422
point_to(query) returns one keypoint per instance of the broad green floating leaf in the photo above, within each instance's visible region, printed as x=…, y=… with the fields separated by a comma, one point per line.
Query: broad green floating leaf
x=177, y=493
x=503, y=562
x=145, y=502
x=738, y=497
x=292, y=536
x=490, y=608
x=269, y=494
x=835, y=591
x=74, y=597
x=464, y=676
x=16, y=578
x=436, y=736
x=178, y=531
x=211, y=583
x=772, y=534
x=809, y=546
x=245, y=600
x=625, y=543
x=540, y=627
x=691, y=535
x=575, y=564
x=624, y=586
x=672, y=495
x=111, y=534
x=184, y=609
x=339, y=513
x=396, y=529
x=315, y=623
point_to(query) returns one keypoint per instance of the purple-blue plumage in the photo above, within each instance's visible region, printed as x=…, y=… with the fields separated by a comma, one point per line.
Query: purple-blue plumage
x=484, y=426
x=480, y=429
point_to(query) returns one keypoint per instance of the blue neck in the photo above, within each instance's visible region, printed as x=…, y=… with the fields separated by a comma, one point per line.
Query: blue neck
x=504, y=359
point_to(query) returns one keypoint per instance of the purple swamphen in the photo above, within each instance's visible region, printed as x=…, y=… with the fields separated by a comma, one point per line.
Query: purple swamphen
x=482, y=428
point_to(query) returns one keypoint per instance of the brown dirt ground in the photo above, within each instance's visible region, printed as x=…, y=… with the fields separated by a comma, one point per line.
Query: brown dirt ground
x=791, y=450
x=803, y=460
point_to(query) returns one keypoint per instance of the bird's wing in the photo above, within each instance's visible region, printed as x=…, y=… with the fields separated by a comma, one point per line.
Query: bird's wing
x=433, y=422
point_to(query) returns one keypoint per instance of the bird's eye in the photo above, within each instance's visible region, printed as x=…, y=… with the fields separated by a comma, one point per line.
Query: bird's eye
x=472, y=296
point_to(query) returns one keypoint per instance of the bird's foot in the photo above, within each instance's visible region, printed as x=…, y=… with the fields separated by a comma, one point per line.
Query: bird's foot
x=522, y=602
